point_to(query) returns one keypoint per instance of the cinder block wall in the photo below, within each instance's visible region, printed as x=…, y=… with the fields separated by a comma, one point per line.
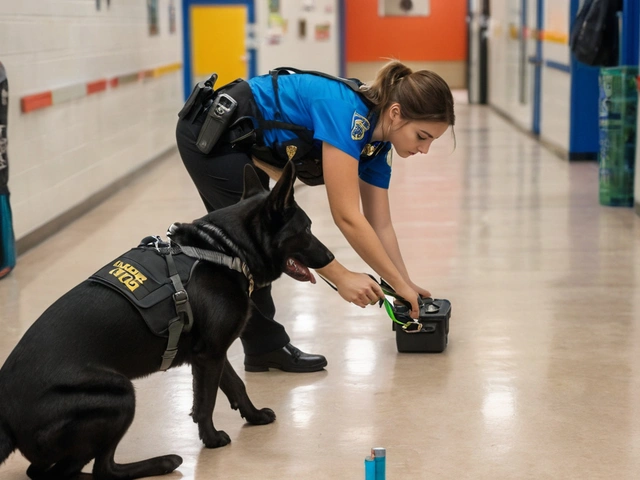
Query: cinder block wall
x=78, y=143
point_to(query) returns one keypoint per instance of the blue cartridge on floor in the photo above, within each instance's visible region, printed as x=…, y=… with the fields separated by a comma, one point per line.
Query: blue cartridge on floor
x=379, y=455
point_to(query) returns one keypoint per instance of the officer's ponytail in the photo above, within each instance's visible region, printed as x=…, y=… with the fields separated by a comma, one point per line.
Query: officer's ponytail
x=422, y=95
x=380, y=91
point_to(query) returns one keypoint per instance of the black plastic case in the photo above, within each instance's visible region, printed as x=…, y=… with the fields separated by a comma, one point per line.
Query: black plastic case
x=434, y=334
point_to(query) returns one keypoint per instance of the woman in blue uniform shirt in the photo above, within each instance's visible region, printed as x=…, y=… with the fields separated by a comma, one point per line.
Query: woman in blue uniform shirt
x=350, y=135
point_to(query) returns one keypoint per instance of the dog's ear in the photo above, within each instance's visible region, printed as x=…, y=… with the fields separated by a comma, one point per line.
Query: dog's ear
x=252, y=184
x=281, y=197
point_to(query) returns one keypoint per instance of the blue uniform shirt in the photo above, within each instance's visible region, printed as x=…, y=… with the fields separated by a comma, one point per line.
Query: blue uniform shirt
x=336, y=114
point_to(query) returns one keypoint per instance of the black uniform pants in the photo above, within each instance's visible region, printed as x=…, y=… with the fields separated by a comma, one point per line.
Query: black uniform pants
x=218, y=176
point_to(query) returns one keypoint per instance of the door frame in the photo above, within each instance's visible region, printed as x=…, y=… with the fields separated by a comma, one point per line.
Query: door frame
x=537, y=75
x=186, y=37
x=342, y=38
x=478, y=51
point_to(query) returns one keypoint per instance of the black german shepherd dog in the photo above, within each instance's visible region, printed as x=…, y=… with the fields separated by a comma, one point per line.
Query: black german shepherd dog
x=67, y=396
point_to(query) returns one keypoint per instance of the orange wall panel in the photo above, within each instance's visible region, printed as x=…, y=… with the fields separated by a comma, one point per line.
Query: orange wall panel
x=442, y=36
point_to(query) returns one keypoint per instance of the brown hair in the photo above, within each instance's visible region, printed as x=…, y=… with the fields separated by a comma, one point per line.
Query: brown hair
x=422, y=95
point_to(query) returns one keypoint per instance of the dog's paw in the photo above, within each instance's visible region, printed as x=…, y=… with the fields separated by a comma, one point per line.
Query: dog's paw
x=217, y=440
x=261, y=417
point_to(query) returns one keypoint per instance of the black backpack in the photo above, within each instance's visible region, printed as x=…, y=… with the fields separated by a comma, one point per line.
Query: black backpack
x=594, y=36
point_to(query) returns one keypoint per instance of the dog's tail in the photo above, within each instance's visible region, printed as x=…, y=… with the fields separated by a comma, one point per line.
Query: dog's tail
x=7, y=442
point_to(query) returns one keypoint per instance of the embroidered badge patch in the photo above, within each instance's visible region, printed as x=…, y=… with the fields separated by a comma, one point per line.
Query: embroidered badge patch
x=359, y=126
x=291, y=151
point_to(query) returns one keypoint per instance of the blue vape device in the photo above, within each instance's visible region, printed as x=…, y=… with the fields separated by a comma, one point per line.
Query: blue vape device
x=369, y=469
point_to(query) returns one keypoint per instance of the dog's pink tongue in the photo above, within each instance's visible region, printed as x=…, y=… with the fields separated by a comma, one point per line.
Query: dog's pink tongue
x=299, y=271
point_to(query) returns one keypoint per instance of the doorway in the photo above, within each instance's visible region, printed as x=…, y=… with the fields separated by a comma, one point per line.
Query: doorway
x=215, y=37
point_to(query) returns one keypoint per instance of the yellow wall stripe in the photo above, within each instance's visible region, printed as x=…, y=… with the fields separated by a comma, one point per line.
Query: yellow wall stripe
x=543, y=35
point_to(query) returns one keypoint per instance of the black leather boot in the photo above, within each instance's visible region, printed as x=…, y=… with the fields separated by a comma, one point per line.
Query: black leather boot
x=287, y=359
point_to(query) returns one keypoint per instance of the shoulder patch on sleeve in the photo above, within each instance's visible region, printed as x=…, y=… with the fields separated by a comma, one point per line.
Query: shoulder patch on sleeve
x=359, y=126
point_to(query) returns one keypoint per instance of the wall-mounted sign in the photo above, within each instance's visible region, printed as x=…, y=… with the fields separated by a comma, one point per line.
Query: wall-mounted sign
x=412, y=8
x=152, y=14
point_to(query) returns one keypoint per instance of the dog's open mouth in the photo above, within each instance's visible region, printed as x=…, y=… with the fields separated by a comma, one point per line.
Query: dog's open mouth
x=297, y=270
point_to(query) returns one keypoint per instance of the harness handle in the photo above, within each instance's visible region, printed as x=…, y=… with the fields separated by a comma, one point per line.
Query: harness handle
x=184, y=320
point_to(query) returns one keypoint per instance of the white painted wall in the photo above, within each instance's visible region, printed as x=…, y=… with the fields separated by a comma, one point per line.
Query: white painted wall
x=292, y=51
x=506, y=79
x=556, y=84
x=505, y=65
x=59, y=156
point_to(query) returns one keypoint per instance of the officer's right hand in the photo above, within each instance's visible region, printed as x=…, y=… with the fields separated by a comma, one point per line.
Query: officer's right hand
x=359, y=289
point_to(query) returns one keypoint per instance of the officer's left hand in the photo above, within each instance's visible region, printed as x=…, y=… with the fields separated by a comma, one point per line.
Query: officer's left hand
x=421, y=291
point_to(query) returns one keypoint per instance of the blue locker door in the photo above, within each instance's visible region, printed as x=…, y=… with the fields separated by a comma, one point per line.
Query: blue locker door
x=537, y=70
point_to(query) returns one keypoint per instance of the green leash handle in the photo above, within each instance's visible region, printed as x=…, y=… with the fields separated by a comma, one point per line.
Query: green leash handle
x=411, y=326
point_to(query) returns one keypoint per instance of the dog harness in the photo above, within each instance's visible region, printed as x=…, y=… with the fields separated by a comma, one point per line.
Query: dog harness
x=153, y=277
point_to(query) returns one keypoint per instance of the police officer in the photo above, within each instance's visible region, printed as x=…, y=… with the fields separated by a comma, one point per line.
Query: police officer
x=337, y=132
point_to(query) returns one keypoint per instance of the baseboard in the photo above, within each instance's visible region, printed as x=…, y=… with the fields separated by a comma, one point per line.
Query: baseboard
x=56, y=224
x=560, y=152
x=453, y=72
x=583, y=156
x=529, y=133
x=557, y=150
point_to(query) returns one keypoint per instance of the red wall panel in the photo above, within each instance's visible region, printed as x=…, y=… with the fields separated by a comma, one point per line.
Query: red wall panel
x=440, y=36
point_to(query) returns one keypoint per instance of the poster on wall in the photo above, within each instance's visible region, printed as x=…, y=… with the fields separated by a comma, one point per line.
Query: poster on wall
x=152, y=14
x=323, y=32
x=302, y=29
x=98, y=2
x=172, y=17
x=400, y=8
x=276, y=25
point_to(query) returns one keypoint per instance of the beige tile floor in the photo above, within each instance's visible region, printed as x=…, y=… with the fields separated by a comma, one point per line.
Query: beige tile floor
x=541, y=379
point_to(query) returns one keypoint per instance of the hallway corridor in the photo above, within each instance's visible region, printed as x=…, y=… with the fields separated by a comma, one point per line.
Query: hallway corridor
x=541, y=377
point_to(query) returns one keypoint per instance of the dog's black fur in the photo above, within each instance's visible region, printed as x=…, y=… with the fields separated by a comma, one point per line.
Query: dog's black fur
x=67, y=396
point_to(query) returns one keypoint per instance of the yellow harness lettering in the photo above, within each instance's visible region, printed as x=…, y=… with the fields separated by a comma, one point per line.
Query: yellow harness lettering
x=128, y=275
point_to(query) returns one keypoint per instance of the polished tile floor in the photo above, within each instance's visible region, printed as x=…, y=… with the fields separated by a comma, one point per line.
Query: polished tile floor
x=541, y=379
